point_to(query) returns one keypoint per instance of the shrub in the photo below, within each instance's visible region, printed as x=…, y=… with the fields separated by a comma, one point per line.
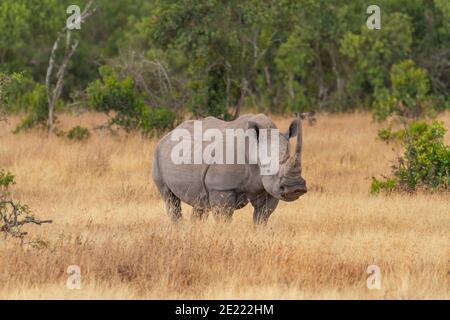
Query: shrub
x=113, y=95
x=6, y=180
x=13, y=91
x=79, y=134
x=37, y=104
x=127, y=109
x=425, y=162
x=408, y=96
x=387, y=185
x=157, y=119
x=387, y=135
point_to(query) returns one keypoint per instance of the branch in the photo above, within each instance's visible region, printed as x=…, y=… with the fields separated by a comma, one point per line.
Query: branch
x=9, y=217
x=70, y=49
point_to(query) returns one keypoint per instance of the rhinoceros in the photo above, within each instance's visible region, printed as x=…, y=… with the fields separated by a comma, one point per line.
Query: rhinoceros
x=224, y=188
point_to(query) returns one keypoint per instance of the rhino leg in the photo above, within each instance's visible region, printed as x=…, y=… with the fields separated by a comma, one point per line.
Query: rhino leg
x=198, y=213
x=223, y=204
x=223, y=213
x=173, y=204
x=263, y=205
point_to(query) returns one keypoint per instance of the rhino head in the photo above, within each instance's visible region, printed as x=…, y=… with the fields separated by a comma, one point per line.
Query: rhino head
x=287, y=184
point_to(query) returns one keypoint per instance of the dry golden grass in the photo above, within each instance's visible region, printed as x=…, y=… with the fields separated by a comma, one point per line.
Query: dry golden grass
x=109, y=220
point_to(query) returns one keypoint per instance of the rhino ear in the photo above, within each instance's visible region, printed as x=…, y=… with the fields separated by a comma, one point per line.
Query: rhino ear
x=292, y=131
x=258, y=122
x=252, y=125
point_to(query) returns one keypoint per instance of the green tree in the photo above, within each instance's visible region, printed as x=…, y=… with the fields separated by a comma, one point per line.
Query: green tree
x=373, y=52
x=408, y=96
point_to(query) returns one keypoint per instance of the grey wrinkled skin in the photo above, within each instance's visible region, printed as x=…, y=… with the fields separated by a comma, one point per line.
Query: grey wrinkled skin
x=224, y=188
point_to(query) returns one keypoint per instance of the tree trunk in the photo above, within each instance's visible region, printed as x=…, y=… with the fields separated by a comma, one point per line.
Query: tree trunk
x=323, y=91
x=243, y=92
x=339, y=80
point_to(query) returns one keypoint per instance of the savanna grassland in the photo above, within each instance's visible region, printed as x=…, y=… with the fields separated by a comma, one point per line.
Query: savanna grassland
x=110, y=221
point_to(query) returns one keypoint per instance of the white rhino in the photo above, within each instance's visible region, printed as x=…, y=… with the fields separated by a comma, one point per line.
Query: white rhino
x=224, y=188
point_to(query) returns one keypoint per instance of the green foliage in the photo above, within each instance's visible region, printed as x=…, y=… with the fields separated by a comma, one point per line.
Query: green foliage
x=443, y=7
x=408, y=96
x=8, y=85
x=372, y=53
x=277, y=56
x=209, y=95
x=125, y=106
x=425, y=163
x=78, y=134
x=293, y=60
x=37, y=104
x=386, y=134
x=110, y=94
x=14, y=16
x=6, y=180
x=158, y=119
x=387, y=185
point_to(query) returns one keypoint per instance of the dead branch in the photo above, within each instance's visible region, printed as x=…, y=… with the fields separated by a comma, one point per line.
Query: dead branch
x=10, y=223
x=70, y=48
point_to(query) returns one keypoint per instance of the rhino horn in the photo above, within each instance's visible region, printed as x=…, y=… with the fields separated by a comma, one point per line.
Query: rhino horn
x=295, y=162
x=299, y=145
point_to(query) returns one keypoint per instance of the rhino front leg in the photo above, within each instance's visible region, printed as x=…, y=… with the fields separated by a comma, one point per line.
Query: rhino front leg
x=264, y=205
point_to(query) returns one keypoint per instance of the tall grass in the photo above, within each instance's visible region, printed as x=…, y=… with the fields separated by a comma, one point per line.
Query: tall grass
x=109, y=220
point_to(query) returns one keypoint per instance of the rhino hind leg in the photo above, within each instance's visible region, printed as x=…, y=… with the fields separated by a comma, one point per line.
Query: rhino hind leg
x=173, y=204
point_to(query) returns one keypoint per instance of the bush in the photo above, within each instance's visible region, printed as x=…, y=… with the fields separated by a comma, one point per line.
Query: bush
x=37, y=104
x=6, y=180
x=13, y=92
x=79, y=134
x=377, y=185
x=157, y=119
x=425, y=163
x=387, y=135
x=408, y=96
x=125, y=106
x=111, y=95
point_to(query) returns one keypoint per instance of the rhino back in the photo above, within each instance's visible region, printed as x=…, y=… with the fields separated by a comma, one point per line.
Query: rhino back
x=192, y=182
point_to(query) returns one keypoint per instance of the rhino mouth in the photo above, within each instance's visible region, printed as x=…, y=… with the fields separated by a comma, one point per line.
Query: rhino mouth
x=293, y=194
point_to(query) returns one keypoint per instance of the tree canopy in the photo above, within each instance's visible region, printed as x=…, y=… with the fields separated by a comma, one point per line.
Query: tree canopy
x=216, y=57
